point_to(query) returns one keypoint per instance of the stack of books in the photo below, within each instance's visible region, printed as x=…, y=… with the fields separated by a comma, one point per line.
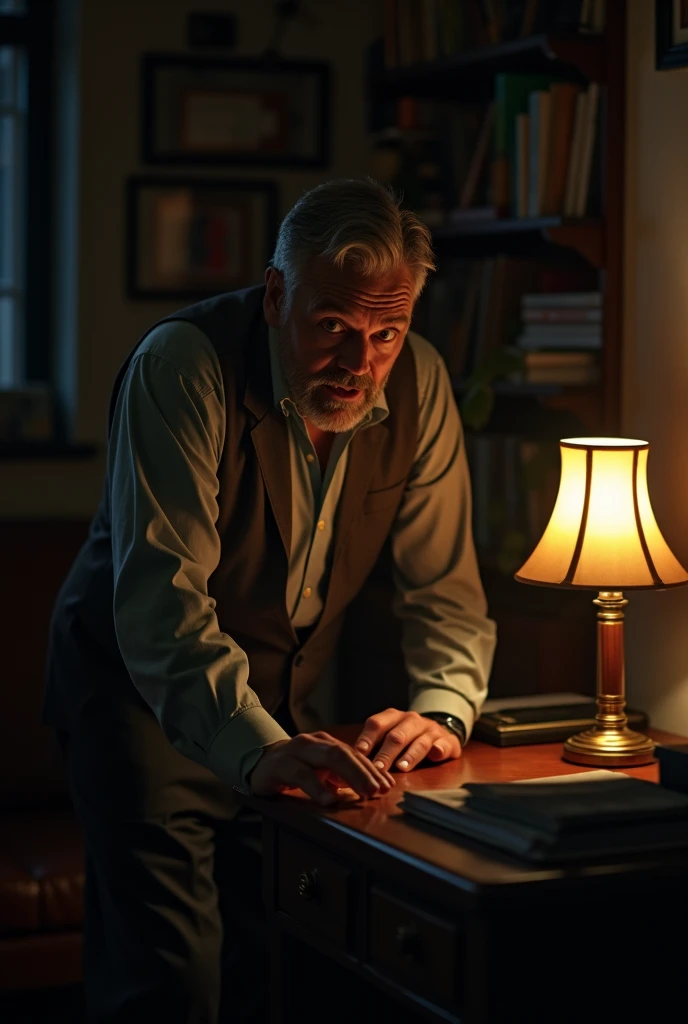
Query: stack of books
x=561, y=338
x=584, y=816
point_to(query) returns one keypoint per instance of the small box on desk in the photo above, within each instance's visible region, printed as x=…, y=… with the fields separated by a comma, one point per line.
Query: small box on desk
x=673, y=766
x=541, y=718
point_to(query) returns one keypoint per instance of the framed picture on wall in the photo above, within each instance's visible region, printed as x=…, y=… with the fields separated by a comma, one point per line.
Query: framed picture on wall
x=671, y=34
x=213, y=111
x=190, y=238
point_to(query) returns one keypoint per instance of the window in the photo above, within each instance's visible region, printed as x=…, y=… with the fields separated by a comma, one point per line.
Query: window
x=12, y=175
x=25, y=185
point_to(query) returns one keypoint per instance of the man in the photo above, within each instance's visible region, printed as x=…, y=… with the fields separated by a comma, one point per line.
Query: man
x=263, y=447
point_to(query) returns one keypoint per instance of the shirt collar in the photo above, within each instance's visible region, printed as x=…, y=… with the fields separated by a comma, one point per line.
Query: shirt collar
x=379, y=412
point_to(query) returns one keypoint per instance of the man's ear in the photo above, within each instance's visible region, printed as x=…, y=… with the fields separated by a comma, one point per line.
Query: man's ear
x=274, y=296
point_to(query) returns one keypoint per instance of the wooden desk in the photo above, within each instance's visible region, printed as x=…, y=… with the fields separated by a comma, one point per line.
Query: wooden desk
x=373, y=918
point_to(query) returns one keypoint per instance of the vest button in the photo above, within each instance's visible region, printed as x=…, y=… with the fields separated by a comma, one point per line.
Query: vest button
x=297, y=660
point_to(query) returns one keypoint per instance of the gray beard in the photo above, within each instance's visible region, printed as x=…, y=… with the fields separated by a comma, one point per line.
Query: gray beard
x=322, y=410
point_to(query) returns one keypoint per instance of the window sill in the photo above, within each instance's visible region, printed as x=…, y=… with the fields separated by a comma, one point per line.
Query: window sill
x=17, y=450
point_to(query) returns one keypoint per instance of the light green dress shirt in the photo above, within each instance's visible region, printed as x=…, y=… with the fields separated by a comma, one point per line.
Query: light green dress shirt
x=314, y=500
x=165, y=446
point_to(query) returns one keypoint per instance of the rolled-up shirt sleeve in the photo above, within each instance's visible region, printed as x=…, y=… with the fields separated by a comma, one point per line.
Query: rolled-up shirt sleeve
x=165, y=445
x=448, y=639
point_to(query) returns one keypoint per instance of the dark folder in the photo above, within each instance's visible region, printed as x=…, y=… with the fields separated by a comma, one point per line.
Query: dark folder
x=511, y=727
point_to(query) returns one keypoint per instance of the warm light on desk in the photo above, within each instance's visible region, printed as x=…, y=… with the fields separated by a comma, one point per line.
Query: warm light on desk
x=603, y=536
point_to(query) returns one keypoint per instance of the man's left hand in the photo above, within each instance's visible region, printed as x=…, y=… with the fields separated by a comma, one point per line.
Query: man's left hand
x=404, y=739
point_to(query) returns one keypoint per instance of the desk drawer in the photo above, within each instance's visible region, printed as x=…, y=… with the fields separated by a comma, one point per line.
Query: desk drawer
x=314, y=889
x=419, y=950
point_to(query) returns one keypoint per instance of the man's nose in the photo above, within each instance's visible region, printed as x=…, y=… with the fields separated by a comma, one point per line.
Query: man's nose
x=354, y=355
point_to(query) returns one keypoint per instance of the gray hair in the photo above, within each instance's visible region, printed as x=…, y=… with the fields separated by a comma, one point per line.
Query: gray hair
x=357, y=222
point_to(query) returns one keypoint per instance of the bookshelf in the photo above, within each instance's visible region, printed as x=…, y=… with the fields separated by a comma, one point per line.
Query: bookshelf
x=523, y=236
x=546, y=640
x=563, y=53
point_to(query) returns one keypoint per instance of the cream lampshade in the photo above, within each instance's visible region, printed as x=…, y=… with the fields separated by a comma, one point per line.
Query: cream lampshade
x=603, y=536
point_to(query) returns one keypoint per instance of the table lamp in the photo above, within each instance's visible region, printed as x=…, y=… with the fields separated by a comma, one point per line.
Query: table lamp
x=603, y=536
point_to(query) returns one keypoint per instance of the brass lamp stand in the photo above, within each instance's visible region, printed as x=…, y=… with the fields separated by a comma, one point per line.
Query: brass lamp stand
x=603, y=535
x=610, y=741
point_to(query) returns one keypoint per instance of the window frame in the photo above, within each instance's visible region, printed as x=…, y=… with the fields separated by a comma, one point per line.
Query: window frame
x=33, y=31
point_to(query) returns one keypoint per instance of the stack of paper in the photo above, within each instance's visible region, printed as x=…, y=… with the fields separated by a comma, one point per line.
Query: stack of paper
x=553, y=820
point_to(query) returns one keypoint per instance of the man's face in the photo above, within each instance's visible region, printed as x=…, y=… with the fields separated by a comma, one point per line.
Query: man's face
x=339, y=338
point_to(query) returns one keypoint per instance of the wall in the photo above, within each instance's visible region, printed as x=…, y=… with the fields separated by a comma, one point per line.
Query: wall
x=101, y=43
x=656, y=356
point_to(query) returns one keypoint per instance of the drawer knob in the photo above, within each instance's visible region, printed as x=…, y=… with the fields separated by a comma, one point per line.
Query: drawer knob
x=407, y=941
x=308, y=884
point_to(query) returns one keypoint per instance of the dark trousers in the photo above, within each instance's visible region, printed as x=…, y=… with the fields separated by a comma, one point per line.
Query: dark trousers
x=172, y=878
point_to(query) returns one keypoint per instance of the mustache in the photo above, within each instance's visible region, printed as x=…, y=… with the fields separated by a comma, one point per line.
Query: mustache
x=342, y=380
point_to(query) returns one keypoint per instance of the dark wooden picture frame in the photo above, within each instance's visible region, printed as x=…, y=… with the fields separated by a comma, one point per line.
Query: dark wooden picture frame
x=670, y=51
x=190, y=238
x=197, y=110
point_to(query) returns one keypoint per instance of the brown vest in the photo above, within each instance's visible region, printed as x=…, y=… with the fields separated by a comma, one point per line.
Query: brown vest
x=249, y=584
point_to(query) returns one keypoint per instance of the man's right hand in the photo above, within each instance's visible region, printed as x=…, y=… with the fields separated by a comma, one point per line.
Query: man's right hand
x=318, y=764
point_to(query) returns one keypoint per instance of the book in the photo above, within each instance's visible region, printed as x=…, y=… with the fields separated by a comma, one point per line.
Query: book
x=573, y=169
x=587, y=146
x=561, y=316
x=532, y=338
x=567, y=300
x=556, y=812
x=541, y=359
x=511, y=97
x=539, y=114
x=563, y=377
x=562, y=113
x=479, y=160
x=560, y=375
x=581, y=816
x=561, y=331
x=513, y=724
x=522, y=164
x=574, y=343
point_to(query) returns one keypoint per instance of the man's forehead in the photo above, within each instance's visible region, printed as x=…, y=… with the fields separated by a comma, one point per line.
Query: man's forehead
x=393, y=291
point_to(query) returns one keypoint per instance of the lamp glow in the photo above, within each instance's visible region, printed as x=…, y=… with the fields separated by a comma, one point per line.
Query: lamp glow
x=603, y=535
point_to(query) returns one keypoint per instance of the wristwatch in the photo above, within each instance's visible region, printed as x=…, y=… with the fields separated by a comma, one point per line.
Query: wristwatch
x=454, y=725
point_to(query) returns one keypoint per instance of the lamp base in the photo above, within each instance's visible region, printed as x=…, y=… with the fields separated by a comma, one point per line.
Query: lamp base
x=609, y=748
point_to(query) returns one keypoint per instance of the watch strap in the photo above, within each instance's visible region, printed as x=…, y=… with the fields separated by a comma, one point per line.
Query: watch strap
x=454, y=725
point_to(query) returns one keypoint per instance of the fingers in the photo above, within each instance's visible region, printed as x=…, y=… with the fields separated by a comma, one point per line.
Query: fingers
x=376, y=727
x=317, y=763
x=441, y=749
x=408, y=727
x=435, y=748
x=411, y=739
x=416, y=751
x=297, y=775
x=380, y=773
x=322, y=751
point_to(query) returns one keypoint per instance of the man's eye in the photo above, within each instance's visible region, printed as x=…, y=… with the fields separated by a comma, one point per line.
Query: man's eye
x=331, y=326
x=387, y=334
